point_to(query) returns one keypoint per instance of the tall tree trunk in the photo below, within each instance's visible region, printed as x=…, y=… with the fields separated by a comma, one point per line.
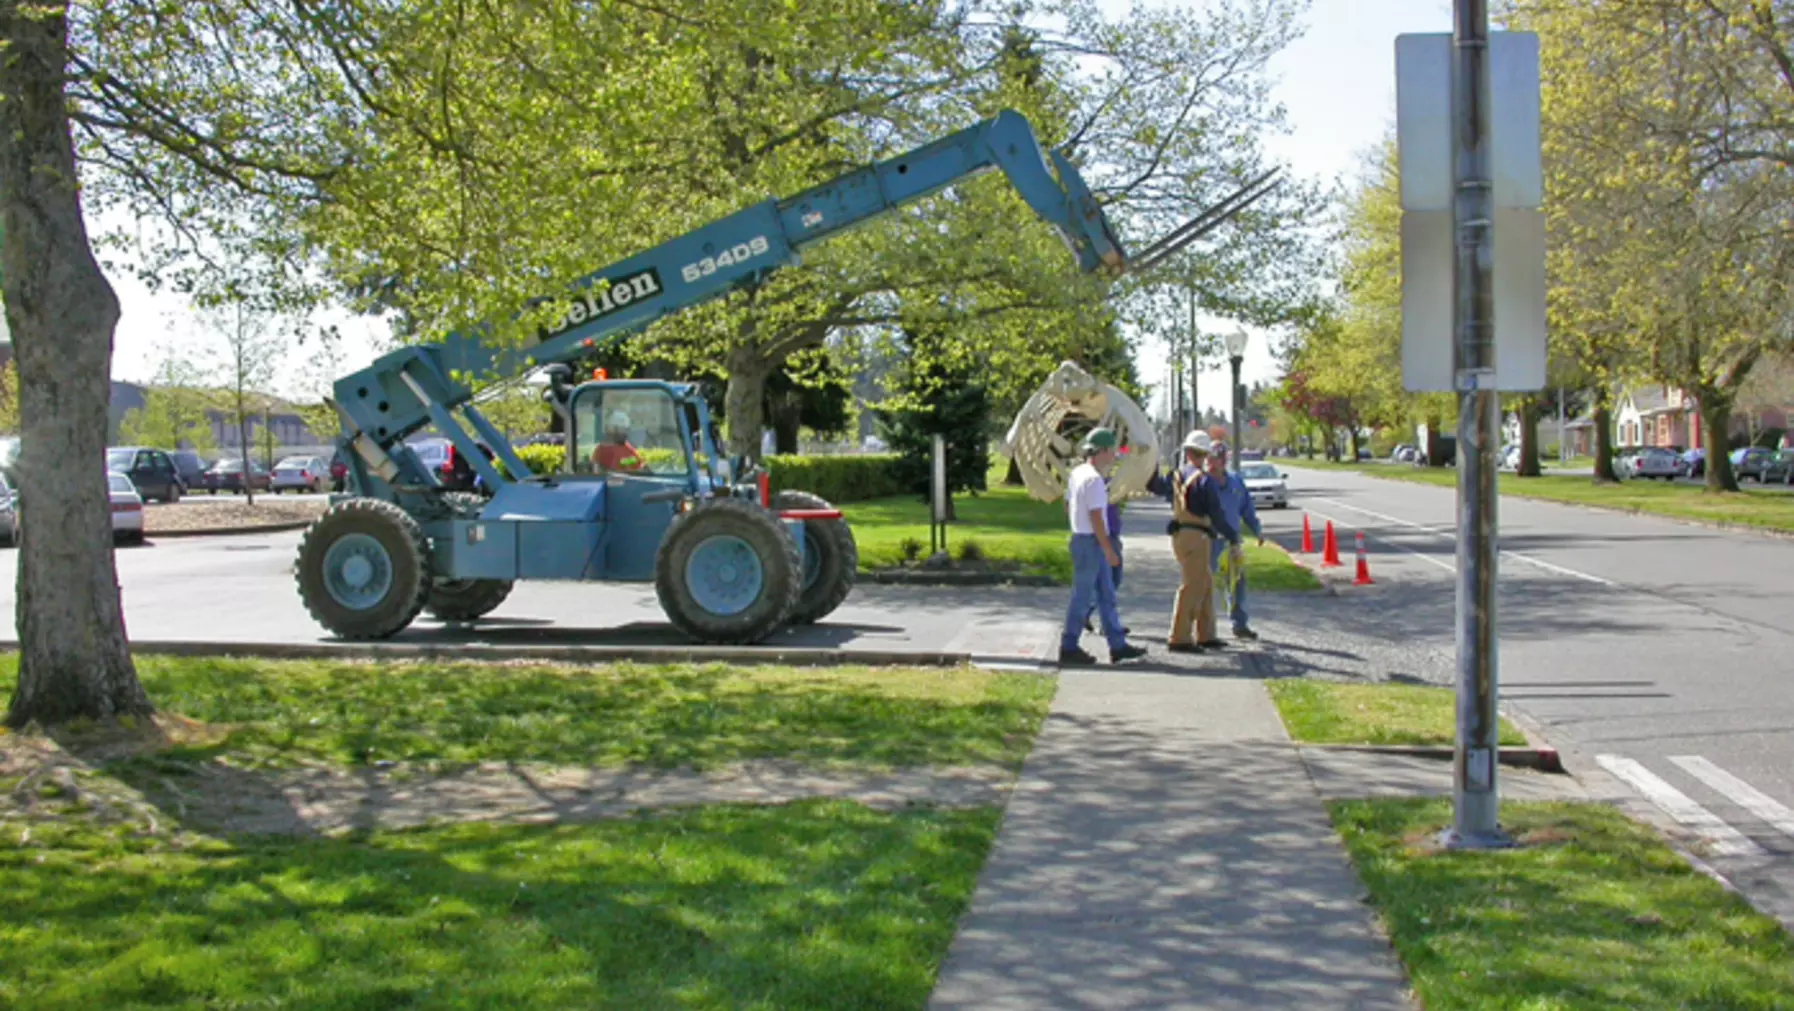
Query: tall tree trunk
x=1716, y=419
x=744, y=402
x=74, y=660
x=1529, y=438
x=1603, y=422
x=243, y=444
x=1357, y=443
x=1435, y=450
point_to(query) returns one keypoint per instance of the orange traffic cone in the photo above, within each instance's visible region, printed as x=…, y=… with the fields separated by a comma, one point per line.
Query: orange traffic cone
x=1363, y=564
x=1307, y=537
x=1330, y=549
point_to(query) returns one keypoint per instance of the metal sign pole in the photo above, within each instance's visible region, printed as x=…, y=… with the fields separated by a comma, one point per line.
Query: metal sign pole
x=938, y=519
x=1475, y=822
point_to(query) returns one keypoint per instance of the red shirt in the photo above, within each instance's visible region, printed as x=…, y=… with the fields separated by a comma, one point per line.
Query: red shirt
x=616, y=456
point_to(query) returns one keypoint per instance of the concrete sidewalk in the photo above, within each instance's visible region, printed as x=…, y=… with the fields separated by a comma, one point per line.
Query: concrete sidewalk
x=1166, y=848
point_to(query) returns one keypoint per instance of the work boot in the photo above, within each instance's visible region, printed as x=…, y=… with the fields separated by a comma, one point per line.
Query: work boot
x=1076, y=657
x=1242, y=632
x=1215, y=644
x=1126, y=653
x=1182, y=647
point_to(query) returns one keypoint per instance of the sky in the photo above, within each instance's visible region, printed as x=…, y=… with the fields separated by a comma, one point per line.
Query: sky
x=1337, y=83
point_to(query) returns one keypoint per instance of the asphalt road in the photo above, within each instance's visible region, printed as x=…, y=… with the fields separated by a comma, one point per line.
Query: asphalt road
x=1659, y=650
x=240, y=589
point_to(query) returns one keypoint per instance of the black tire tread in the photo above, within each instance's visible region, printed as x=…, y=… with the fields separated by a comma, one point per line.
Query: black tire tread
x=666, y=578
x=352, y=512
x=828, y=593
x=468, y=599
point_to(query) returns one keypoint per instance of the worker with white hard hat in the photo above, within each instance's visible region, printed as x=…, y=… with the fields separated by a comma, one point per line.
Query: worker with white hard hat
x=1197, y=519
x=614, y=452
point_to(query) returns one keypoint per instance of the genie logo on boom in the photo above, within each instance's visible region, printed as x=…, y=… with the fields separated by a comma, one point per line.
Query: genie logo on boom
x=593, y=304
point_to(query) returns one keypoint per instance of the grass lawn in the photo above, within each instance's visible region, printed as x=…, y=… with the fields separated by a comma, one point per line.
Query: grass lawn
x=359, y=713
x=824, y=905
x=1007, y=525
x=1752, y=507
x=1593, y=914
x=1327, y=712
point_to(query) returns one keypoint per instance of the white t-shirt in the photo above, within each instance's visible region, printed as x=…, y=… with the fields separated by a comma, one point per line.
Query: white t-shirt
x=1084, y=491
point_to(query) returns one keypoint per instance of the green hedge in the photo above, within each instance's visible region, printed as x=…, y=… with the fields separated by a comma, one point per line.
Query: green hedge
x=540, y=458
x=837, y=478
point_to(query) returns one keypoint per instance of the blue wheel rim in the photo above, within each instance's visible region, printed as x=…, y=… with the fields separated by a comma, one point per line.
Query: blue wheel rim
x=812, y=560
x=358, y=572
x=723, y=575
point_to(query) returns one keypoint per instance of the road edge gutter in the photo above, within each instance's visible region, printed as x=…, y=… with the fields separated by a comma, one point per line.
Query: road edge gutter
x=790, y=656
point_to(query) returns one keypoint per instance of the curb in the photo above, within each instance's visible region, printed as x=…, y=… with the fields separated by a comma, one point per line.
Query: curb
x=907, y=577
x=1543, y=759
x=792, y=656
x=264, y=528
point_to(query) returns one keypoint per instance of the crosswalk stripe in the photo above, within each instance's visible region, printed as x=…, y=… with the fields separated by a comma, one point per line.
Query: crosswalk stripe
x=1724, y=839
x=1741, y=793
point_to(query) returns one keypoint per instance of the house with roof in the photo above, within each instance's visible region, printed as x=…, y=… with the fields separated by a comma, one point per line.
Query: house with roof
x=1671, y=418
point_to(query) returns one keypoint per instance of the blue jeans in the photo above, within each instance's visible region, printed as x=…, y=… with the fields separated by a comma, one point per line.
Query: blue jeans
x=1239, y=588
x=1115, y=540
x=1092, y=582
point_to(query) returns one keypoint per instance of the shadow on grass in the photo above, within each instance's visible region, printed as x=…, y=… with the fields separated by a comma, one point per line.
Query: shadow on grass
x=812, y=905
x=662, y=716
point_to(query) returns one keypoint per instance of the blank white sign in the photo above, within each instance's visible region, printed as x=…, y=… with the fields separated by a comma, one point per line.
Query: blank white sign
x=1428, y=252
x=1423, y=120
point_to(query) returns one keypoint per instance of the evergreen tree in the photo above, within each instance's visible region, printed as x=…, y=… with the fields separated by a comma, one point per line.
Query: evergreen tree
x=933, y=396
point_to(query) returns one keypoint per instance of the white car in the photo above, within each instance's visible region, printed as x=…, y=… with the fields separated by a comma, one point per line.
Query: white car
x=300, y=473
x=1266, y=485
x=127, y=508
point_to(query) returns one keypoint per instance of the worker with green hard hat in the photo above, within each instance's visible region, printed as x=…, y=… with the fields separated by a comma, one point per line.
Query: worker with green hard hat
x=1093, y=553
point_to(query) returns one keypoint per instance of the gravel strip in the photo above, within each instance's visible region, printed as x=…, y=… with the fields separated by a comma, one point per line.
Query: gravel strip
x=161, y=517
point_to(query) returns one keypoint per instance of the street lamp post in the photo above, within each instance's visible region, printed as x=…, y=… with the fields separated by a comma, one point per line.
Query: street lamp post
x=1236, y=353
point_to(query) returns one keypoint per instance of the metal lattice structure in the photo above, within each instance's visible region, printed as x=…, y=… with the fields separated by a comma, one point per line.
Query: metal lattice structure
x=1043, y=440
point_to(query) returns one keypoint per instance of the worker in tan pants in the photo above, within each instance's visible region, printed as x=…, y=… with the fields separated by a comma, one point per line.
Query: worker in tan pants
x=1196, y=517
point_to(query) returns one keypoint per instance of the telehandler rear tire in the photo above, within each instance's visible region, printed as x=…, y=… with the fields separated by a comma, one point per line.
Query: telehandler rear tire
x=466, y=599
x=831, y=559
x=727, y=572
x=364, y=569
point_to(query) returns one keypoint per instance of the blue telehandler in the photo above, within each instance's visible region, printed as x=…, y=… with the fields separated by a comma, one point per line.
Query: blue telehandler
x=645, y=493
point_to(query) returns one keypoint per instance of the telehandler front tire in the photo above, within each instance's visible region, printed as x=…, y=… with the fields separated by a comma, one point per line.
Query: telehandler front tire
x=831, y=559
x=364, y=570
x=727, y=572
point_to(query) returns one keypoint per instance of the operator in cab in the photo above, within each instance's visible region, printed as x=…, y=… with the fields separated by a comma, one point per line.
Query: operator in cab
x=613, y=451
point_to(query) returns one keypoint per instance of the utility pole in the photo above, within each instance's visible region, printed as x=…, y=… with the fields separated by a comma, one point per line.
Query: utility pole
x=1475, y=822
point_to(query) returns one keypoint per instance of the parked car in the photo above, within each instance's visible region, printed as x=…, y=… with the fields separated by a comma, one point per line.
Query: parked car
x=190, y=467
x=1750, y=461
x=1651, y=462
x=227, y=475
x=1779, y=468
x=9, y=459
x=1696, y=459
x=151, y=471
x=299, y=473
x=339, y=471
x=1266, y=484
x=450, y=467
x=9, y=513
x=127, y=508
x=1251, y=454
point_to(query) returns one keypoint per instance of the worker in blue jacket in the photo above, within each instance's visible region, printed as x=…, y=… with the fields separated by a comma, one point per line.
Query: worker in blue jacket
x=1236, y=505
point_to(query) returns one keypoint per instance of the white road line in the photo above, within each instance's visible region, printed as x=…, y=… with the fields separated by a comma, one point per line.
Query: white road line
x=1452, y=535
x=1429, y=559
x=1739, y=792
x=1723, y=838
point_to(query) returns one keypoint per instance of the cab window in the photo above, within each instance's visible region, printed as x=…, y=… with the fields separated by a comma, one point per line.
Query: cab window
x=628, y=432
